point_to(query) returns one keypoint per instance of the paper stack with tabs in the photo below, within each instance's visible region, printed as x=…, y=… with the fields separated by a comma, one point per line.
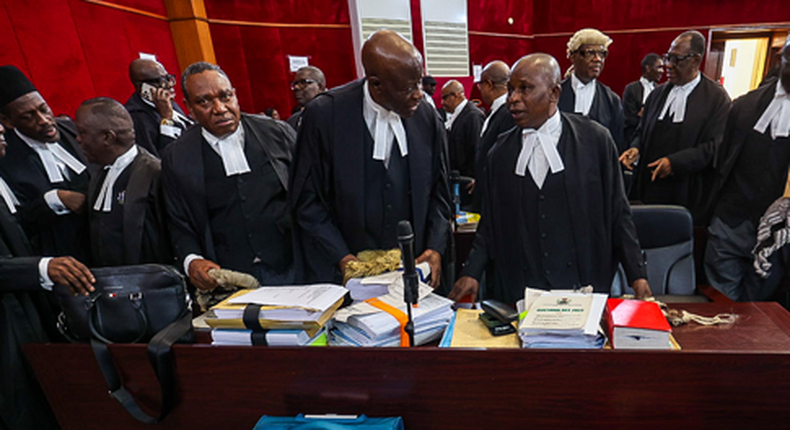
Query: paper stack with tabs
x=563, y=319
x=286, y=315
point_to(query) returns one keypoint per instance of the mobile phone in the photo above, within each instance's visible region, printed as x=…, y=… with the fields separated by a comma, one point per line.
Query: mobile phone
x=147, y=92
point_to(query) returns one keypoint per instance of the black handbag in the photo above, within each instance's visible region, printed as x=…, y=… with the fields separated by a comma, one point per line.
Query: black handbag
x=131, y=304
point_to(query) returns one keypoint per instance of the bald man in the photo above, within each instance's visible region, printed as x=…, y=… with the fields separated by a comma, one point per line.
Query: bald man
x=463, y=128
x=555, y=215
x=308, y=82
x=158, y=120
x=493, y=91
x=125, y=202
x=370, y=154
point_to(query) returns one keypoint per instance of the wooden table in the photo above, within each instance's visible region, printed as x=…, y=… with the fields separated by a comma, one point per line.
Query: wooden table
x=725, y=377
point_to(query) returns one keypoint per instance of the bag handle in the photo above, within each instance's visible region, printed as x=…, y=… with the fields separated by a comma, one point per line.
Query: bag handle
x=161, y=357
x=137, y=304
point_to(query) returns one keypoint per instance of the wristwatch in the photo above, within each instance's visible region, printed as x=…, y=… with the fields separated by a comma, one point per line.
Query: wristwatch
x=169, y=122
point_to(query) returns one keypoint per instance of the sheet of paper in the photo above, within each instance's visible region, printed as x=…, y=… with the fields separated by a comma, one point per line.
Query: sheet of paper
x=315, y=297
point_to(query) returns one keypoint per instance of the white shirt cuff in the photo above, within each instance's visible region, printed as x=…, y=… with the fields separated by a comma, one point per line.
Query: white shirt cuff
x=187, y=261
x=54, y=203
x=43, y=276
x=170, y=131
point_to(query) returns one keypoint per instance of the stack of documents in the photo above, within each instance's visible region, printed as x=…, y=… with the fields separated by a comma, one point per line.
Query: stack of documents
x=563, y=319
x=375, y=286
x=363, y=324
x=293, y=315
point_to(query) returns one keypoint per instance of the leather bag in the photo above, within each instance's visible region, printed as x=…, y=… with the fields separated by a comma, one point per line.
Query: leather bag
x=131, y=304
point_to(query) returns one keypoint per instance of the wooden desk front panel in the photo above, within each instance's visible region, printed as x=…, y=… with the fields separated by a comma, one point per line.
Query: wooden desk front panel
x=230, y=387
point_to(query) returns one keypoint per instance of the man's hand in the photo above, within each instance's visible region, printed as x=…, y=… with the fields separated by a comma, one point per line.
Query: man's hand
x=70, y=272
x=463, y=287
x=641, y=111
x=198, y=274
x=344, y=262
x=470, y=187
x=434, y=260
x=641, y=289
x=162, y=99
x=629, y=157
x=73, y=200
x=661, y=168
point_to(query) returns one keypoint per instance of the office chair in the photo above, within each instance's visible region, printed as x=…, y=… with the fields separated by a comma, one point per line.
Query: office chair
x=667, y=238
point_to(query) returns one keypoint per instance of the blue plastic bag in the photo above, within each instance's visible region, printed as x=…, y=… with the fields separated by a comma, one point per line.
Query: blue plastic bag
x=300, y=422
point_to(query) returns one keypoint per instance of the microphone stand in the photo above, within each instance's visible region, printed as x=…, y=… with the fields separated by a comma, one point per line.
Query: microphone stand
x=410, y=280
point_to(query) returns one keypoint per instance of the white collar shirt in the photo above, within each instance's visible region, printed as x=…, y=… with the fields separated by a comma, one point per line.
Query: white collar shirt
x=456, y=112
x=385, y=126
x=56, y=160
x=677, y=100
x=648, y=88
x=496, y=104
x=539, y=151
x=8, y=196
x=777, y=114
x=231, y=149
x=585, y=94
x=104, y=199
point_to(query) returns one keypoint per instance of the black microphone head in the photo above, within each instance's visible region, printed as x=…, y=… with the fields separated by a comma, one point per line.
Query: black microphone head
x=404, y=231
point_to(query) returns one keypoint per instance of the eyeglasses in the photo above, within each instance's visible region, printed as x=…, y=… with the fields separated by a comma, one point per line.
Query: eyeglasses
x=589, y=54
x=165, y=81
x=676, y=59
x=301, y=83
x=448, y=95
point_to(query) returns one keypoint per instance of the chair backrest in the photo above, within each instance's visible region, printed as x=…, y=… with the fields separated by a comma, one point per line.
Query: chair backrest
x=667, y=238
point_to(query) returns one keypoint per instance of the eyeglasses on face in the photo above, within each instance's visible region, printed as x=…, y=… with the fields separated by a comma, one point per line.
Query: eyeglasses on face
x=301, y=83
x=589, y=54
x=448, y=95
x=164, y=81
x=677, y=59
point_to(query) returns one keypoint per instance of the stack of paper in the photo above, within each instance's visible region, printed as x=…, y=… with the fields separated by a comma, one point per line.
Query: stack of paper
x=294, y=315
x=283, y=337
x=363, y=324
x=375, y=286
x=562, y=319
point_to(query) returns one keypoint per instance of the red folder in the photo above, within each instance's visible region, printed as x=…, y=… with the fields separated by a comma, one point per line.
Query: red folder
x=636, y=324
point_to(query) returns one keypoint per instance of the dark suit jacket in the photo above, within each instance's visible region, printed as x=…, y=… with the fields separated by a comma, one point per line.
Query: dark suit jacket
x=183, y=180
x=632, y=104
x=49, y=234
x=22, y=318
x=702, y=131
x=603, y=231
x=606, y=109
x=746, y=111
x=145, y=237
x=500, y=122
x=463, y=139
x=146, y=124
x=328, y=190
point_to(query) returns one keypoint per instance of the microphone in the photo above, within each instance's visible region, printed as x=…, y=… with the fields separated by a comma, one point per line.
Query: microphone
x=406, y=243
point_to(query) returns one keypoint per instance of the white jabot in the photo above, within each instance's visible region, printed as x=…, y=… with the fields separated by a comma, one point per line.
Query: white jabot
x=104, y=199
x=647, y=86
x=456, y=112
x=678, y=99
x=585, y=93
x=54, y=158
x=383, y=126
x=8, y=196
x=231, y=148
x=539, y=150
x=777, y=114
x=496, y=104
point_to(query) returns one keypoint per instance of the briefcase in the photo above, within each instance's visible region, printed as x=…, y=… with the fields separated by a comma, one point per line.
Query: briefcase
x=131, y=304
x=328, y=422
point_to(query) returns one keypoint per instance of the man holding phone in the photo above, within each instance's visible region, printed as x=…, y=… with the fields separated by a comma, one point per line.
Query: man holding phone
x=158, y=120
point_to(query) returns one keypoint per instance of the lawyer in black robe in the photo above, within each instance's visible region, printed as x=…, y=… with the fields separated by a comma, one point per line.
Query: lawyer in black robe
x=147, y=124
x=135, y=230
x=49, y=233
x=689, y=145
x=193, y=198
x=632, y=104
x=595, y=233
x=606, y=109
x=499, y=122
x=334, y=179
x=463, y=139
